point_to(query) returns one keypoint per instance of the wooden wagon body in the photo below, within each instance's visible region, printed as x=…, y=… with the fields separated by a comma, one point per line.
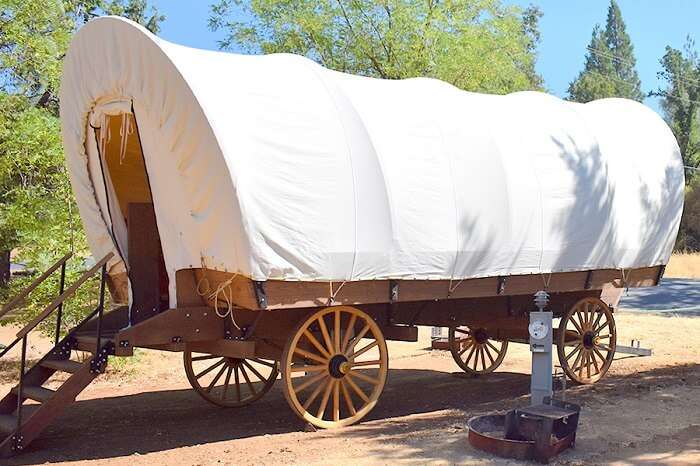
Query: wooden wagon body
x=291, y=237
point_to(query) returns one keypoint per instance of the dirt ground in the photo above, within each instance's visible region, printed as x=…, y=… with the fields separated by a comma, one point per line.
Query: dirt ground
x=645, y=411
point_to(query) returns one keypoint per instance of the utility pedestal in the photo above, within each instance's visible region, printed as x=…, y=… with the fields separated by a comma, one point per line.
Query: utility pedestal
x=540, y=330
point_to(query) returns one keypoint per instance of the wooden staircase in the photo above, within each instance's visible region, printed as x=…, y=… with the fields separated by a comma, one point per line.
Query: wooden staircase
x=29, y=407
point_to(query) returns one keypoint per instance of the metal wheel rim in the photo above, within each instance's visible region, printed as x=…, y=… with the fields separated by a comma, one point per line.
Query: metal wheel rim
x=339, y=393
x=465, y=350
x=236, y=373
x=585, y=352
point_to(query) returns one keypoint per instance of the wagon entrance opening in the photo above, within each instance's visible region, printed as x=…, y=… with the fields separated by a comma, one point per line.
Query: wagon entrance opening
x=130, y=207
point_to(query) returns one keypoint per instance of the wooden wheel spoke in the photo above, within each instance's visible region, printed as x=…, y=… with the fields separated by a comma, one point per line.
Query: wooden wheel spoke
x=311, y=380
x=366, y=363
x=469, y=345
x=357, y=389
x=469, y=356
x=577, y=349
x=210, y=368
x=364, y=350
x=324, y=331
x=336, y=397
x=227, y=381
x=202, y=358
x=578, y=326
x=356, y=340
x=238, y=383
x=491, y=345
x=578, y=358
x=309, y=336
x=594, y=360
x=476, y=357
x=599, y=354
x=216, y=379
x=308, y=355
x=347, y=398
x=364, y=377
x=264, y=363
x=247, y=380
x=597, y=320
x=483, y=358
x=324, y=400
x=308, y=368
x=336, y=331
x=605, y=347
x=314, y=395
x=348, y=333
x=253, y=370
x=600, y=327
x=488, y=353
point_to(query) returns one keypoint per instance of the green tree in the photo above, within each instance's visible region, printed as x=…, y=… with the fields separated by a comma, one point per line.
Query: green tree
x=689, y=233
x=478, y=45
x=34, y=37
x=610, y=66
x=680, y=100
x=37, y=207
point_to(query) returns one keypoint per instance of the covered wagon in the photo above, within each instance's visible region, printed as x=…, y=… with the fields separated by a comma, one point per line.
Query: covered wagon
x=273, y=218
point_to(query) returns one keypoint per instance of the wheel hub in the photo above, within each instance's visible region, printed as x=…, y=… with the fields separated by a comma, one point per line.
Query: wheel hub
x=590, y=340
x=338, y=366
x=481, y=336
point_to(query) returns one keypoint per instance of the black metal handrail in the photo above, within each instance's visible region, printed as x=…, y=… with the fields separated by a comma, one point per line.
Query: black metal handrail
x=57, y=303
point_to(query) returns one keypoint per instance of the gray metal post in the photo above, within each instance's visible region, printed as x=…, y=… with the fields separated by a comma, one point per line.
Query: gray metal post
x=540, y=330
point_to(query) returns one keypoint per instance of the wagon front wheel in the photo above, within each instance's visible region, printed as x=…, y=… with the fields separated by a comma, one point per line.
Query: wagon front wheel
x=229, y=382
x=586, y=341
x=474, y=351
x=334, y=367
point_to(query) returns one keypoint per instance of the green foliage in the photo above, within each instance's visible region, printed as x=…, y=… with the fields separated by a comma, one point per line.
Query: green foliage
x=689, y=234
x=610, y=67
x=681, y=101
x=38, y=215
x=478, y=45
x=138, y=11
x=34, y=36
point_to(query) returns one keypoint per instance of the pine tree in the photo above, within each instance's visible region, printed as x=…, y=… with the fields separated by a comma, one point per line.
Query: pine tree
x=610, y=67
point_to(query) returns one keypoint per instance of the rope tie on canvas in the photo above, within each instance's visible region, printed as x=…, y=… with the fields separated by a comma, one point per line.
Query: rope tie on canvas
x=126, y=130
x=221, y=290
x=546, y=278
x=625, y=279
x=333, y=294
x=451, y=289
x=105, y=134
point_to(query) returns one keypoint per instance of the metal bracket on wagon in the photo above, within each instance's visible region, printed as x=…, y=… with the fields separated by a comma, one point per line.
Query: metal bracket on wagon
x=260, y=296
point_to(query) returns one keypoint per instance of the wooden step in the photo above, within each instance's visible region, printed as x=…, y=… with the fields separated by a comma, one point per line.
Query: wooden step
x=62, y=365
x=35, y=393
x=87, y=342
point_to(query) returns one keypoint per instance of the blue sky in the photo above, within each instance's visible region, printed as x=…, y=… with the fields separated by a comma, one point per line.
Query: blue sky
x=566, y=31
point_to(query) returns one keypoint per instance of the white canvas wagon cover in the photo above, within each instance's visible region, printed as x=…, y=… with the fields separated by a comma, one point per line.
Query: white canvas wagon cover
x=274, y=167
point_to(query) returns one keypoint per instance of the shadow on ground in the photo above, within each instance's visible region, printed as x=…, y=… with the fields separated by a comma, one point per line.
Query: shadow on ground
x=164, y=420
x=671, y=294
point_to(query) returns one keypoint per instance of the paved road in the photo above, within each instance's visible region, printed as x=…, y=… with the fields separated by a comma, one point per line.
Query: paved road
x=673, y=295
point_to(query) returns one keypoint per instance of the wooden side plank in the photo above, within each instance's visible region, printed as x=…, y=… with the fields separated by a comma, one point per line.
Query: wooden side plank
x=288, y=294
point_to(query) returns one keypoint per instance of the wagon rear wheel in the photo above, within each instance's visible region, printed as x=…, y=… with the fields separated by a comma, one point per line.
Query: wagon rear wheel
x=334, y=367
x=474, y=351
x=229, y=382
x=586, y=341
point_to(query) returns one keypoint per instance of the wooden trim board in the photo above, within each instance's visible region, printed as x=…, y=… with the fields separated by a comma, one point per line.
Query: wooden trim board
x=296, y=294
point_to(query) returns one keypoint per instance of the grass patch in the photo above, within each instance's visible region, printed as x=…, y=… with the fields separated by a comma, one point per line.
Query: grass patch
x=683, y=265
